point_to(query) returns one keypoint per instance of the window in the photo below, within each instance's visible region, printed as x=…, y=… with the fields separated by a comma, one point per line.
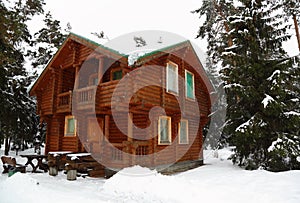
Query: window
x=164, y=130
x=117, y=74
x=93, y=80
x=70, y=126
x=189, y=85
x=183, y=132
x=172, y=78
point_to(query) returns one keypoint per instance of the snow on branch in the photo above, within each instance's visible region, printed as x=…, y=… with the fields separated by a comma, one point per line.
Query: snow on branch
x=268, y=99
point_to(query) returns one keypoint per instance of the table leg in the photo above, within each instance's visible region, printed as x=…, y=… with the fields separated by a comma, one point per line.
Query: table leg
x=41, y=165
x=29, y=162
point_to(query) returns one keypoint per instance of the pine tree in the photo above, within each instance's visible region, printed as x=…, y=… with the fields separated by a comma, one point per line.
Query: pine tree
x=260, y=81
x=14, y=35
x=18, y=120
x=291, y=9
x=46, y=42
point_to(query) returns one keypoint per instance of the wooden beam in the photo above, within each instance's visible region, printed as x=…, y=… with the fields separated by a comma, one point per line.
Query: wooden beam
x=130, y=127
x=106, y=126
x=76, y=85
x=100, y=69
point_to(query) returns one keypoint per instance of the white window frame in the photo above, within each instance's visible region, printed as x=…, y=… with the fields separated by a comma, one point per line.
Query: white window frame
x=176, y=78
x=67, y=134
x=169, y=130
x=187, y=131
x=186, y=85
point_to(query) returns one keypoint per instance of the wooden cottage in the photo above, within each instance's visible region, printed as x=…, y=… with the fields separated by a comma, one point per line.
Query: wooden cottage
x=154, y=118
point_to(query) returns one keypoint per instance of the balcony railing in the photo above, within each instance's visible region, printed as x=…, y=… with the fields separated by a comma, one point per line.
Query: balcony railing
x=92, y=97
x=86, y=95
x=128, y=153
x=64, y=102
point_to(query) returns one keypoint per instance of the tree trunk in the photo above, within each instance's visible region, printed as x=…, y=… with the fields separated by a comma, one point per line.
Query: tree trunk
x=6, y=148
x=297, y=30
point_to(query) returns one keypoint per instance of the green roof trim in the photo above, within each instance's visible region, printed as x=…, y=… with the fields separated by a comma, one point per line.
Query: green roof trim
x=162, y=50
x=97, y=44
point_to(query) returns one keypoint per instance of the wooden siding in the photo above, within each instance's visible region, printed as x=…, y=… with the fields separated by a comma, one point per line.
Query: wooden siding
x=55, y=94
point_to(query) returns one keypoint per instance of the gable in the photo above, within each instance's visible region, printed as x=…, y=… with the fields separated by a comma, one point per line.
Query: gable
x=186, y=52
x=67, y=56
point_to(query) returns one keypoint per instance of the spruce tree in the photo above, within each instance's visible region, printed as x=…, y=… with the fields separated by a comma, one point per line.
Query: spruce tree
x=18, y=121
x=16, y=107
x=260, y=81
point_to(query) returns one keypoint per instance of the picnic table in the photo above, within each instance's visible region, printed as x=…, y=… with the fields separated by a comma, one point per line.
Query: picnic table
x=57, y=161
x=39, y=164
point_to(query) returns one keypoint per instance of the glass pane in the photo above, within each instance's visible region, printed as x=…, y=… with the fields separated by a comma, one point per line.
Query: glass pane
x=71, y=126
x=189, y=85
x=117, y=75
x=172, y=78
x=164, y=137
x=95, y=81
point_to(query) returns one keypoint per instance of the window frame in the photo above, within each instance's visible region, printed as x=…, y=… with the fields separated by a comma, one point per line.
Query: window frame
x=92, y=78
x=168, y=118
x=176, y=92
x=66, y=133
x=186, y=85
x=187, y=131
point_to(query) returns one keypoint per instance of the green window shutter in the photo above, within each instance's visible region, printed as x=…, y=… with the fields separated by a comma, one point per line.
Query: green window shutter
x=189, y=85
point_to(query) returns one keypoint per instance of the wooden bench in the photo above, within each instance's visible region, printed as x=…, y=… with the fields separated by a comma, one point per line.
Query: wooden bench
x=9, y=162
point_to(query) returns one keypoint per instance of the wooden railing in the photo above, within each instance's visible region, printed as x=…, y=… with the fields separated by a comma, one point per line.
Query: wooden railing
x=94, y=96
x=64, y=102
x=86, y=95
x=128, y=153
x=142, y=150
x=117, y=152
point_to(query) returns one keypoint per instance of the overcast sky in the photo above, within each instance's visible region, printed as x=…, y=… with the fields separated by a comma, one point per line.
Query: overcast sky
x=118, y=17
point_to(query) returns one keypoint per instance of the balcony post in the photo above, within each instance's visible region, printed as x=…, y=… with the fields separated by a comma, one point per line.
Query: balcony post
x=130, y=138
x=76, y=85
x=100, y=69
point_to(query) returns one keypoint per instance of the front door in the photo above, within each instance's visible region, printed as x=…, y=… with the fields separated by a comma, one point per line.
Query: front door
x=95, y=135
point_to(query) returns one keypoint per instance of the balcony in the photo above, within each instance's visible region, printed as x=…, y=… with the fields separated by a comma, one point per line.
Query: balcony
x=64, y=102
x=91, y=97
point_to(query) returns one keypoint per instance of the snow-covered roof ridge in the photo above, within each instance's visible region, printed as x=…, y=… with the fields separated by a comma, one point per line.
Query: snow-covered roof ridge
x=98, y=44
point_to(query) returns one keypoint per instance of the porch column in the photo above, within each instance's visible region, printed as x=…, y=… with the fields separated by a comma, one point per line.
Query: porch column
x=131, y=161
x=105, y=141
x=76, y=85
x=130, y=126
x=106, y=126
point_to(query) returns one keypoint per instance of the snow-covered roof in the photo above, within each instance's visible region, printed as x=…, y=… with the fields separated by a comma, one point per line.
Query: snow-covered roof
x=125, y=47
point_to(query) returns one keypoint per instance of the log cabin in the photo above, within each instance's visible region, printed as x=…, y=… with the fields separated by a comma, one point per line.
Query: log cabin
x=149, y=112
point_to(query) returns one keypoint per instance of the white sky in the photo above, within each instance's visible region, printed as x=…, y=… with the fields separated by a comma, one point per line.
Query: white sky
x=118, y=17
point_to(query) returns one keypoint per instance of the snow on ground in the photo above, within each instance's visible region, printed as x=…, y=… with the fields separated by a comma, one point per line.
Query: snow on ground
x=217, y=181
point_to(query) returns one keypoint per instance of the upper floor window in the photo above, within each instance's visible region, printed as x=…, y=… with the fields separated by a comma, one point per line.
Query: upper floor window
x=172, y=77
x=93, y=80
x=116, y=74
x=70, y=126
x=189, y=85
